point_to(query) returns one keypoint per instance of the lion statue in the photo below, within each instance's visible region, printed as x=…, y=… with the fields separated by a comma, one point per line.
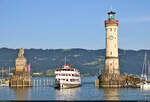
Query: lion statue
x=21, y=52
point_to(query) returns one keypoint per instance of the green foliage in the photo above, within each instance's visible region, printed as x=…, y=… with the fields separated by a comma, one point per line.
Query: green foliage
x=50, y=72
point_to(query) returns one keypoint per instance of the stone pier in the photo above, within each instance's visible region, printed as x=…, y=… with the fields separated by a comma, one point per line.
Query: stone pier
x=21, y=77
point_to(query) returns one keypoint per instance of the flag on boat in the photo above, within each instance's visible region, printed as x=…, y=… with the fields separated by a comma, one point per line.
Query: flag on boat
x=67, y=66
x=2, y=70
x=149, y=67
x=28, y=69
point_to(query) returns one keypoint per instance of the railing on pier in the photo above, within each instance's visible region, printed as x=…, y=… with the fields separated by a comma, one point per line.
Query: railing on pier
x=97, y=83
x=31, y=83
x=40, y=83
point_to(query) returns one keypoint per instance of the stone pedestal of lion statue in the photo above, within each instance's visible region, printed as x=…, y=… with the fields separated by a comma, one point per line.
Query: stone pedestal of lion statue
x=21, y=76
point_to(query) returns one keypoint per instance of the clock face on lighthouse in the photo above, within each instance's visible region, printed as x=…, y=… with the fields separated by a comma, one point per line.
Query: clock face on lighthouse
x=110, y=37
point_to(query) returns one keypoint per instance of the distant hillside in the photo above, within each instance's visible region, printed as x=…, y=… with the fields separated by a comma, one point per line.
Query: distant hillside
x=87, y=61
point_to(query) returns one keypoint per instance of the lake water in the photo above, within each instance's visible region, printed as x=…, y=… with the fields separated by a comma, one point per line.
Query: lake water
x=86, y=92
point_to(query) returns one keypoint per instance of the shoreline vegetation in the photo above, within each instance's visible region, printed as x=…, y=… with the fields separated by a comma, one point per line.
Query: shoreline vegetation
x=88, y=62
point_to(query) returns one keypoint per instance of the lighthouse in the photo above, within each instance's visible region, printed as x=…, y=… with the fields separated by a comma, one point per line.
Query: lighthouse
x=111, y=76
x=111, y=58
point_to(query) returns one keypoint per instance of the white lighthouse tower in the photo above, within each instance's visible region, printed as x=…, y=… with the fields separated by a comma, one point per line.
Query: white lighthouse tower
x=112, y=76
x=111, y=59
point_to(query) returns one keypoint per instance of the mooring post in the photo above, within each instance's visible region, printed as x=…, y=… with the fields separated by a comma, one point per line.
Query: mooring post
x=37, y=83
x=47, y=83
x=10, y=82
x=98, y=83
x=23, y=83
x=43, y=82
x=40, y=83
x=95, y=83
x=34, y=83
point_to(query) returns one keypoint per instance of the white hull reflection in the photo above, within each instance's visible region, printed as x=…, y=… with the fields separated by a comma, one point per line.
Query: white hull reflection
x=67, y=94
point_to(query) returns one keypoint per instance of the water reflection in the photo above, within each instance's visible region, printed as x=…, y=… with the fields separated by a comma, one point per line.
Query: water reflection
x=67, y=94
x=22, y=93
x=111, y=94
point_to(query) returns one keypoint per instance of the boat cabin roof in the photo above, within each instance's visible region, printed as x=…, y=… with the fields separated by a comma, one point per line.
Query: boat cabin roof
x=64, y=69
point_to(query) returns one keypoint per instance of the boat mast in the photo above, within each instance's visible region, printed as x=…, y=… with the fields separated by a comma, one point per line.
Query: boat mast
x=148, y=72
x=144, y=74
x=65, y=60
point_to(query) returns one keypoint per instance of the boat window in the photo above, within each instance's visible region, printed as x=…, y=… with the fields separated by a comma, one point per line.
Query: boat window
x=72, y=80
x=62, y=74
x=76, y=75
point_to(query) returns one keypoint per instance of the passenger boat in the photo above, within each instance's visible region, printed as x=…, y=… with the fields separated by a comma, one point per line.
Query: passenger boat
x=67, y=77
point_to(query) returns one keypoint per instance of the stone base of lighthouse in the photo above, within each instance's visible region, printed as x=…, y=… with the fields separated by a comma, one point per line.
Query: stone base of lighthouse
x=117, y=81
x=112, y=80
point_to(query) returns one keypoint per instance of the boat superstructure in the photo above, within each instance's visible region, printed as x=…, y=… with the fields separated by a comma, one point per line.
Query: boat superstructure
x=67, y=77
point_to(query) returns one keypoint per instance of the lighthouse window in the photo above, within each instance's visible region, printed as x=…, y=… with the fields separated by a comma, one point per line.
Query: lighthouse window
x=110, y=29
x=110, y=53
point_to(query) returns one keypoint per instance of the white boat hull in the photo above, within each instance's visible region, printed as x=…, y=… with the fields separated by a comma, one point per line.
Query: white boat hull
x=145, y=86
x=67, y=85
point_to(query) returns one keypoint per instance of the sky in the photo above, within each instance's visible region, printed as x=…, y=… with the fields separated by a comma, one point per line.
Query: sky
x=55, y=24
